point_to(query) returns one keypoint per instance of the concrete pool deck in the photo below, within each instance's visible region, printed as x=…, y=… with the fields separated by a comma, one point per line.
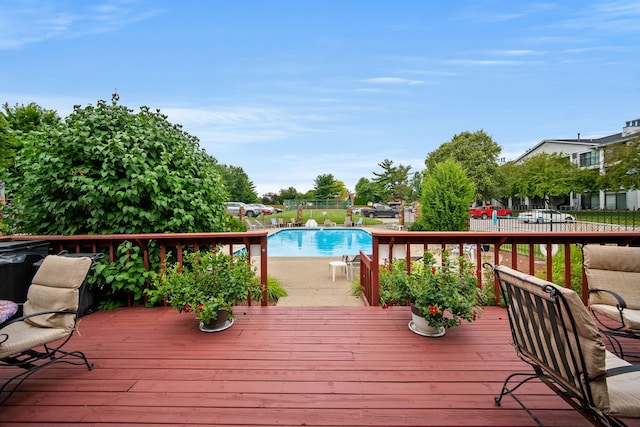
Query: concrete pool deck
x=307, y=281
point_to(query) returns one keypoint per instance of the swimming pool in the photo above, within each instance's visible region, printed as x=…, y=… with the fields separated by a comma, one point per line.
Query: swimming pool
x=293, y=242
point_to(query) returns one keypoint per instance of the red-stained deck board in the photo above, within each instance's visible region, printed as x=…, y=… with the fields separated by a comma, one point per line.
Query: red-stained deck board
x=325, y=366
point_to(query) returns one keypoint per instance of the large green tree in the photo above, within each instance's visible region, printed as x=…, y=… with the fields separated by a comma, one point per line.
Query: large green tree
x=16, y=120
x=447, y=193
x=288, y=194
x=548, y=176
x=478, y=154
x=508, y=187
x=415, y=186
x=106, y=169
x=326, y=187
x=393, y=181
x=7, y=146
x=270, y=199
x=30, y=117
x=238, y=184
x=622, y=166
x=367, y=191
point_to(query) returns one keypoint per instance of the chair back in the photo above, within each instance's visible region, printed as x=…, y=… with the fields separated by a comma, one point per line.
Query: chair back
x=552, y=329
x=614, y=268
x=55, y=287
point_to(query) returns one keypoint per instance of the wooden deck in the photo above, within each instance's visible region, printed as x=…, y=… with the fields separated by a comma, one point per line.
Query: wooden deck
x=284, y=366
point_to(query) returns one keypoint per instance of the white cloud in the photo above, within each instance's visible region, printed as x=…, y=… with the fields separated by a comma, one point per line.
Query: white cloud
x=393, y=81
x=25, y=23
x=516, y=52
x=483, y=62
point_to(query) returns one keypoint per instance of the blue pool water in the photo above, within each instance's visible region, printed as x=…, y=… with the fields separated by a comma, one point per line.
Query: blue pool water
x=318, y=242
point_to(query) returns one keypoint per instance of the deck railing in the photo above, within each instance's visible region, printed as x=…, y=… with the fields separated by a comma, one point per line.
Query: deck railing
x=389, y=245
x=255, y=243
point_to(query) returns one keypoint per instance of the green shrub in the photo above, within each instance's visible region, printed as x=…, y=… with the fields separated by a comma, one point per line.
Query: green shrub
x=107, y=170
x=125, y=279
x=447, y=194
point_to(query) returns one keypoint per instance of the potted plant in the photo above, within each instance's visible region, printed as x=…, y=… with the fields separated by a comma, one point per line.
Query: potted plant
x=207, y=283
x=441, y=295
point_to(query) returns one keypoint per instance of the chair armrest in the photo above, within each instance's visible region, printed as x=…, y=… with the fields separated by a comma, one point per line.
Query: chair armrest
x=40, y=313
x=621, y=303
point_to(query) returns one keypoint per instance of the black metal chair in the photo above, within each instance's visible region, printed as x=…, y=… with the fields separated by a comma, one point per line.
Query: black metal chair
x=35, y=340
x=554, y=333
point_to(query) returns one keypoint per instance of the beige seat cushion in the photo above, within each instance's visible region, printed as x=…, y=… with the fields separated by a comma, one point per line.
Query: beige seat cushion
x=623, y=390
x=630, y=317
x=54, y=288
x=23, y=336
x=616, y=268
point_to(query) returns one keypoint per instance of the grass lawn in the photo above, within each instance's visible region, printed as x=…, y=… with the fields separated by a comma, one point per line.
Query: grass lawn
x=336, y=215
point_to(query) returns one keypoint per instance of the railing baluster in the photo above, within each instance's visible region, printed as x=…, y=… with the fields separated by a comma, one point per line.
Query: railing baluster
x=369, y=267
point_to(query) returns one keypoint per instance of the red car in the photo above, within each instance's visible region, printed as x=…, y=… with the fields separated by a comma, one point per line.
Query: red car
x=485, y=212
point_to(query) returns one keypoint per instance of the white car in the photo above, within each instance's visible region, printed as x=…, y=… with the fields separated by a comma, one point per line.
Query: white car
x=545, y=215
x=234, y=209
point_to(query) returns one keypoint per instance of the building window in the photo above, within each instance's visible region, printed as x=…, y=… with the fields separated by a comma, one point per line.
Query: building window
x=590, y=158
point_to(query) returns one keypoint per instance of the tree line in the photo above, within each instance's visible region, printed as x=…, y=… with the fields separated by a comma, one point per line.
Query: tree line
x=109, y=169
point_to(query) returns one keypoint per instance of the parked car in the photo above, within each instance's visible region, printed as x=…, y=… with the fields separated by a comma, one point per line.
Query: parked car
x=485, y=212
x=380, y=211
x=356, y=211
x=545, y=215
x=396, y=205
x=251, y=211
x=266, y=210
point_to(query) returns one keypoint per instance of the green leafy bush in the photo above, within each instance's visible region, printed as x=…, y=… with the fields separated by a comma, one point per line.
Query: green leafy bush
x=205, y=283
x=105, y=170
x=445, y=294
x=124, y=279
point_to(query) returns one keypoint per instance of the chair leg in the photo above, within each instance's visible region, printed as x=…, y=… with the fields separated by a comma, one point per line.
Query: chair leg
x=31, y=366
x=510, y=391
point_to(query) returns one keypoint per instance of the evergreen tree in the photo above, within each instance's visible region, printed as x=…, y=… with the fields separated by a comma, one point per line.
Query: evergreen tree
x=447, y=193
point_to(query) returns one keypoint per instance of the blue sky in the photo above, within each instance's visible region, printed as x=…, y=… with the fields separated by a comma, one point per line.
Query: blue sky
x=289, y=90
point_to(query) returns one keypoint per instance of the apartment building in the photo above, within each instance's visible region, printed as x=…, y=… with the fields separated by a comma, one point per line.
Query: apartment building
x=589, y=153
